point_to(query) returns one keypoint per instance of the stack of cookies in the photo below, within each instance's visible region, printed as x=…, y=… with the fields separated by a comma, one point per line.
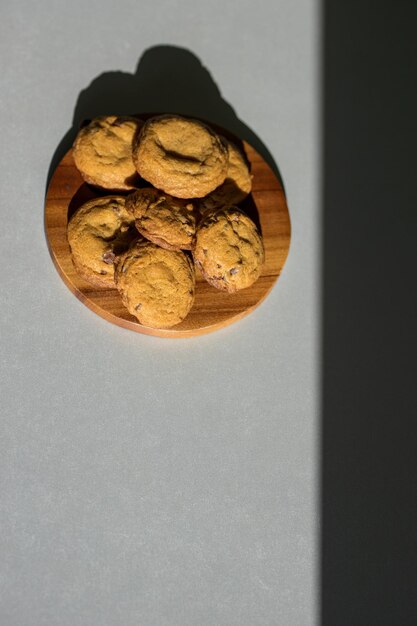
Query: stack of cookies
x=183, y=181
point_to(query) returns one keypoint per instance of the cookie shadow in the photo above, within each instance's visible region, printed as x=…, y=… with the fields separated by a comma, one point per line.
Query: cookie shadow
x=249, y=207
x=168, y=79
x=83, y=194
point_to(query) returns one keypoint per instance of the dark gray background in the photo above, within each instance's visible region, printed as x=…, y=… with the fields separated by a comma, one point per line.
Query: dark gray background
x=369, y=315
x=150, y=481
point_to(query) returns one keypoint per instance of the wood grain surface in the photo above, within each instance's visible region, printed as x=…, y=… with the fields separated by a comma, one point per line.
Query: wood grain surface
x=212, y=308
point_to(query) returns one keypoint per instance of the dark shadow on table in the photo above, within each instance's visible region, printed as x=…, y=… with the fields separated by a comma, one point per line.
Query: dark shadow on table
x=369, y=392
x=168, y=79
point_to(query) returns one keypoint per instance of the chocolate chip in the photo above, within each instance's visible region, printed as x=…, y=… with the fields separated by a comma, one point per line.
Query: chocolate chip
x=108, y=257
x=138, y=306
x=102, y=272
x=234, y=270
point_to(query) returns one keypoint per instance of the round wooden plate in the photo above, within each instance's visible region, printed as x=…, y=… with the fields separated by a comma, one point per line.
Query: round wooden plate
x=212, y=308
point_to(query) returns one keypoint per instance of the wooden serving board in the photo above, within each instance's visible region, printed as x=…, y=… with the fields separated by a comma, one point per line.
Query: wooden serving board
x=212, y=308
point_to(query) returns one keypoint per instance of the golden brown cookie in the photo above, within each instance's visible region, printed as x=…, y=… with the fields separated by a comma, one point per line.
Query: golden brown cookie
x=98, y=231
x=156, y=285
x=236, y=186
x=180, y=156
x=103, y=152
x=163, y=219
x=228, y=249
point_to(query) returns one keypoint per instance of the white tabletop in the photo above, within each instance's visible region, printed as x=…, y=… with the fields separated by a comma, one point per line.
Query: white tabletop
x=145, y=480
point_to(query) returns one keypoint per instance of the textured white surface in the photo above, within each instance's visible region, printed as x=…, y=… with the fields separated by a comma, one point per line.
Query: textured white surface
x=150, y=481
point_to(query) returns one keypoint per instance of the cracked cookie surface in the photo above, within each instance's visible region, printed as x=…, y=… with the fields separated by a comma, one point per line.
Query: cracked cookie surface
x=102, y=152
x=98, y=231
x=228, y=249
x=181, y=156
x=157, y=285
x=237, y=184
x=167, y=221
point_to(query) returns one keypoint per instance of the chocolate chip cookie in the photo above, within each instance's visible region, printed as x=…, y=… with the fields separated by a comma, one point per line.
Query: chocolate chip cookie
x=98, y=231
x=182, y=157
x=103, y=152
x=237, y=184
x=156, y=285
x=163, y=219
x=228, y=249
